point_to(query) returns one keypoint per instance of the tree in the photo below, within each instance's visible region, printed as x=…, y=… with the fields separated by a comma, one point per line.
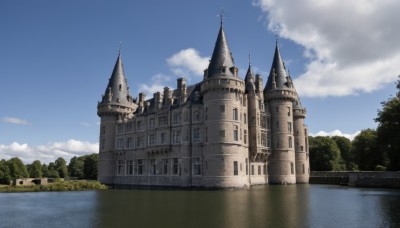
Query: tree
x=389, y=129
x=45, y=170
x=324, y=154
x=366, y=152
x=52, y=172
x=76, y=166
x=5, y=175
x=17, y=168
x=344, y=145
x=35, y=169
x=90, y=167
x=61, y=167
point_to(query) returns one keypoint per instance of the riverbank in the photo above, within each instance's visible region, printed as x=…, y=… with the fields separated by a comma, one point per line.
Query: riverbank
x=60, y=185
x=373, y=179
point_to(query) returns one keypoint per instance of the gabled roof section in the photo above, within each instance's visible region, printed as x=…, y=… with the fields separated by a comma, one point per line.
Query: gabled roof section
x=278, y=78
x=221, y=57
x=117, y=90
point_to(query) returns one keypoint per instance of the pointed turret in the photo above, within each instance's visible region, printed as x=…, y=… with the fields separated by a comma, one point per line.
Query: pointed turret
x=116, y=97
x=278, y=78
x=249, y=80
x=221, y=63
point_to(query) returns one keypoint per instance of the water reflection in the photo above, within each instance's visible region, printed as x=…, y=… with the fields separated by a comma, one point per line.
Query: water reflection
x=263, y=206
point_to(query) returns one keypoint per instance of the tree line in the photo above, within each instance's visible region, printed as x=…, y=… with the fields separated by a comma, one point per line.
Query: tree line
x=84, y=167
x=372, y=149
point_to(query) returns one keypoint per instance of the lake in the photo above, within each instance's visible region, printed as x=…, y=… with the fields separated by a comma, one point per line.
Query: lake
x=260, y=206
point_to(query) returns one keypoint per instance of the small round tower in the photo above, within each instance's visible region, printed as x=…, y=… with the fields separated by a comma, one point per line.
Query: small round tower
x=300, y=141
x=115, y=106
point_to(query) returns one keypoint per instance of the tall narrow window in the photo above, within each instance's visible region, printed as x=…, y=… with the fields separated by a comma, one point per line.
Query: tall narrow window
x=165, y=164
x=290, y=141
x=139, y=125
x=235, y=133
x=245, y=136
x=120, y=167
x=247, y=167
x=259, y=170
x=129, y=170
x=175, y=166
x=291, y=168
x=177, y=118
x=235, y=168
x=252, y=169
x=153, y=166
x=245, y=118
x=140, y=166
x=235, y=114
x=289, y=126
x=196, y=135
x=222, y=108
x=288, y=111
x=196, y=166
x=176, y=137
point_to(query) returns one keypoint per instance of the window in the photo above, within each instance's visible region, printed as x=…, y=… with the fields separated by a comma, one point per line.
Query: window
x=140, y=141
x=152, y=123
x=162, y=121
x=139, y=125
x=245, y=136
x=222, y=133
x=206, y=138
x=290, y=141
x=186, y=116
x=196, y=166
x=196, y=135
x=196, y=116
x=263, y=139
x=176, y=136
x=140, y=166
x=163, y=138
x=120, y=144
x=206, y=115
x=235, y=168
x=289, y=126
x=165, y=166
x=120, y=167
x=301, y=148
x=252, y=169
x=103, y=130
x=247, y=167
x=120, y=128
x=177, y=118
x=153, y=166
x=175, y=166
x=259, y=170
x=277, y=125
x=235, y=114
x=288, y=111
x=223, y=70
x=152, y=139
x=129, y=170
x=264, y=169
x=244, y=117
x=222, y=108
x=291, y=168
x=103, y=144
x=304, y=169
x=129, y=143
x=235, y=133
x=129, y=126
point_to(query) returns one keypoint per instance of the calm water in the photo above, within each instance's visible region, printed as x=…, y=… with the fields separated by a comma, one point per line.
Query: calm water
x=264, y=206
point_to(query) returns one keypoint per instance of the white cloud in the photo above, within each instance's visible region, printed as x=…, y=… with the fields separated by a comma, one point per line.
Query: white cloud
x=158, y=82
x=188, y=62
x=15, y=120
x=49, y=152
x=351, y=46
x=336, y=133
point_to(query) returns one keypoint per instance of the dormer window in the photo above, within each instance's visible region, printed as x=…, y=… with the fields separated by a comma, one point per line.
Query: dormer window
x=223, y=69
x=120, y=87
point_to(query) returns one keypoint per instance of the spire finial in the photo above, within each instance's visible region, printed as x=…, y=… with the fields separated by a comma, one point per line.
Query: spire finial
x=249, y=59
x=276, y=30
x=221, y=15
x=120, y=46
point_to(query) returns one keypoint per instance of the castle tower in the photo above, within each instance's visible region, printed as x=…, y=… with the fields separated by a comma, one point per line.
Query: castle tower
x=225, y=152
x=256, y=118
x=300, y=141
x=114, y=108
x=279, y=95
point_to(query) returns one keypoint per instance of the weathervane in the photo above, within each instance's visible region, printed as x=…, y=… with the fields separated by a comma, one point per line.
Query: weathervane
x=276, y=30
x=120, y=46
x=221, y=15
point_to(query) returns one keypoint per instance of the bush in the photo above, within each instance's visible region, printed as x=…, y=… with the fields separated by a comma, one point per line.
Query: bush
x=380, y=168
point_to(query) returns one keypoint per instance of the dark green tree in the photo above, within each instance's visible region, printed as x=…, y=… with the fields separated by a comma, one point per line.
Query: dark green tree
x=45, y=170
x=389, y=129
x=52, y=171
x=324, y=154
x=76, y=166
x=366, y=152
x=61, y=167
x=344, y=145
x=17, y=168
x=90, y=167
x=5, y=175
x=35, y=169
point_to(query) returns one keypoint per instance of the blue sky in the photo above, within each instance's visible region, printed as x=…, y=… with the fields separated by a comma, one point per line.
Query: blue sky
x=56, y=58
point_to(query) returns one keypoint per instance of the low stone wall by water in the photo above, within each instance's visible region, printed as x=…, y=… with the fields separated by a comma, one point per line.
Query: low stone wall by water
x=378, y=179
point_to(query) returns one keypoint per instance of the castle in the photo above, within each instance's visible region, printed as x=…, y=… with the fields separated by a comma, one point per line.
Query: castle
x=221, y=132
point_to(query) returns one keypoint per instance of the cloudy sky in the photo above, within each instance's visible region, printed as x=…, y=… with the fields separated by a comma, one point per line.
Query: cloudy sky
x=56, y=58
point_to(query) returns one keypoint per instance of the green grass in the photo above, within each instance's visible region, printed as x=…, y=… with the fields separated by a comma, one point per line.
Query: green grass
x=59, y=185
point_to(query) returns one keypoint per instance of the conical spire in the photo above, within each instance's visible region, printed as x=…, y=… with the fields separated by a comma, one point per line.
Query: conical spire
x=221, y=60
x=117, y=89
x=249, y=80
x=277, y=73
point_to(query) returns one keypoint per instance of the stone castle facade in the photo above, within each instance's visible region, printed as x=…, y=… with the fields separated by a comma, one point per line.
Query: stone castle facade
x=221, y=132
